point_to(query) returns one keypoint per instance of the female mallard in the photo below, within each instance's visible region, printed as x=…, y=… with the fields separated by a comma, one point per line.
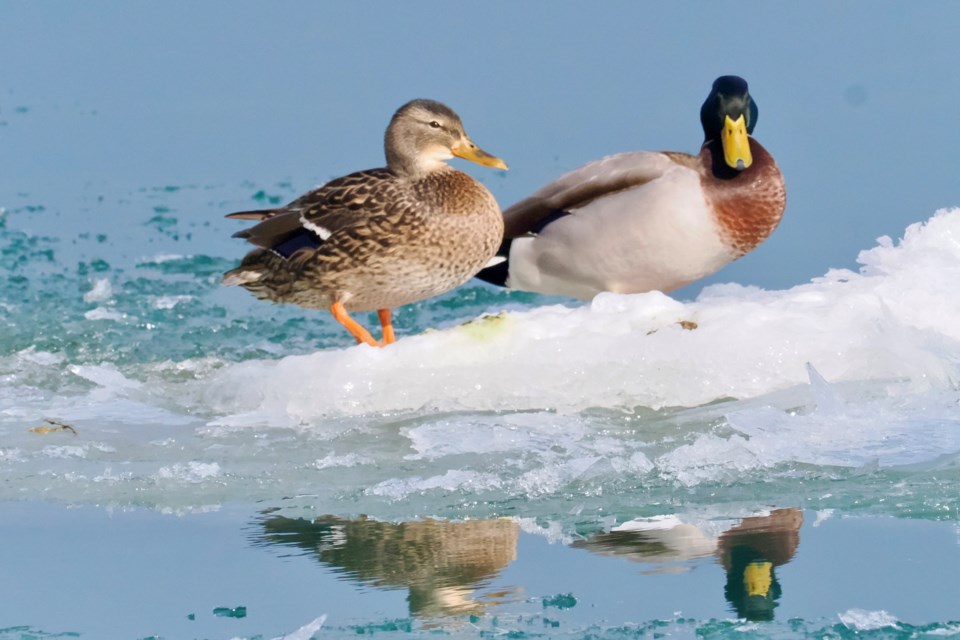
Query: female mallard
x=642, y=221
x=380, y=238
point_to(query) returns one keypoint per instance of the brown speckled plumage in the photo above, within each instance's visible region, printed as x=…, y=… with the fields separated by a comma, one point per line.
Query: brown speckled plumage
x=379, y=238
x=392, y=241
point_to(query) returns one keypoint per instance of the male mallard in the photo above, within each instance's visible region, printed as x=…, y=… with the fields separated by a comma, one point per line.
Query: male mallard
x=380, y=238
x=641, y=221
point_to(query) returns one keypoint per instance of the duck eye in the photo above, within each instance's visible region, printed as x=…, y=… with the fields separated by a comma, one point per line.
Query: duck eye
x=434, y=124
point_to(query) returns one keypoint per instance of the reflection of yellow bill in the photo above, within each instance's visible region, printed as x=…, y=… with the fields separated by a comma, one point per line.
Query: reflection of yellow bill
x=757, y=578
x=736, y=143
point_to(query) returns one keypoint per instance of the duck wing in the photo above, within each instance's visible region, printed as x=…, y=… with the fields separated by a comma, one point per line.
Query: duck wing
x=582, y=186
x=312, y=218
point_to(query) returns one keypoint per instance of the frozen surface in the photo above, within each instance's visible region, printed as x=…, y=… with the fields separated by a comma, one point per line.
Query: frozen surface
x=547, y=411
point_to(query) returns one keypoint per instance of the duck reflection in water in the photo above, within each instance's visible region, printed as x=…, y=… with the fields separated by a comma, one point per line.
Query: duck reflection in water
x=441, y=563
x=749, y=553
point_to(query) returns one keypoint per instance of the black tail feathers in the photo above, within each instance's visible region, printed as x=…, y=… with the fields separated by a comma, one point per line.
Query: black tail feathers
x=497, y=274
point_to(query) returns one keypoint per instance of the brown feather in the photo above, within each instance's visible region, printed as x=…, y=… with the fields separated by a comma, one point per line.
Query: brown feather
x=271, y=230
x=258, y=214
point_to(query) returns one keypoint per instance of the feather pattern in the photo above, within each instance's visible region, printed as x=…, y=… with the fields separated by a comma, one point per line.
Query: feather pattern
x=379, y=238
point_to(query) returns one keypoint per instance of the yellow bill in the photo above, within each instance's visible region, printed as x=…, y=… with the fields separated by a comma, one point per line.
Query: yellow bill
x=467, y=150
x=736, y=143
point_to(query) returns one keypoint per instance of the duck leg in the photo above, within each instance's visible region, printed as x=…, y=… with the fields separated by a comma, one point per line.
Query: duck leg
x=387, y=324
x=356, y=330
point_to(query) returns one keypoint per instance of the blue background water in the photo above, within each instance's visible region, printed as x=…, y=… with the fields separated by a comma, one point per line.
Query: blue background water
x=128, y=130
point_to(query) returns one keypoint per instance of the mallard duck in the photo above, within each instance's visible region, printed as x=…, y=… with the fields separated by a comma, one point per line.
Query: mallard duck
x=380, y=238
x=644, y=221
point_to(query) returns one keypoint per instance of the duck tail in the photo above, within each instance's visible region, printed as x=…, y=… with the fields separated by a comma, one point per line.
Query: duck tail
x=263, y=273
x=497, y=269
x=241, y=276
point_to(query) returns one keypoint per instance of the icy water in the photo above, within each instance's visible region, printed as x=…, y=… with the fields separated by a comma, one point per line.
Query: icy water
x=514, y=466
